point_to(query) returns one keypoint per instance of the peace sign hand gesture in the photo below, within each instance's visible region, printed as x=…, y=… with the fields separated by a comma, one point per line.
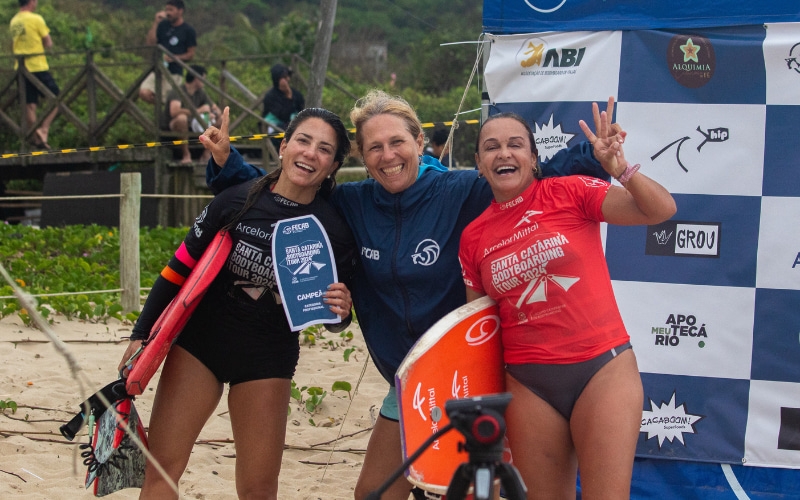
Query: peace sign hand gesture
x=608, y=140
x=217, y=141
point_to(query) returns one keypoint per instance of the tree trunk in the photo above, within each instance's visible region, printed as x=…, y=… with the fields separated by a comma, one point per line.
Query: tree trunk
x=322, y=50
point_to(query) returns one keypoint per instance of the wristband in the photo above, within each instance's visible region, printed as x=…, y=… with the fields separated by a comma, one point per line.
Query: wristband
x=626, y=174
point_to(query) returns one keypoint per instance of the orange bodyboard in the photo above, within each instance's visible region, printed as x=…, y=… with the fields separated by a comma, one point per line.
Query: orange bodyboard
x=177, y=313
x=458, y=357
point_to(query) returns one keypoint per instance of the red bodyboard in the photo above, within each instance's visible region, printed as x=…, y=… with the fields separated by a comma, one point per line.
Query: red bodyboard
x=177, y=313
x=460, y=356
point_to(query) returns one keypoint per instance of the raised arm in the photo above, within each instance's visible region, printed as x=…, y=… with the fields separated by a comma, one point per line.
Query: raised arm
x=235, y=169
x=642, y=200
x=150, y=39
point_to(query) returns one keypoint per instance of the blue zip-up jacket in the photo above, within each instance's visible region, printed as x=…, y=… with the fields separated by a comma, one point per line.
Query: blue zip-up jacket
x=409, y=275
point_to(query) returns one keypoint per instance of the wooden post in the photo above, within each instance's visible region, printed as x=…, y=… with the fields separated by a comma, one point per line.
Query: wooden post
x=91, y=93
x=130, y=186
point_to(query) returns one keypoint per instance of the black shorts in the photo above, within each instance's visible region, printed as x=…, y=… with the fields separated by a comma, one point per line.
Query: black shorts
x=560, y=386
x=32, y=94
x=239, y=343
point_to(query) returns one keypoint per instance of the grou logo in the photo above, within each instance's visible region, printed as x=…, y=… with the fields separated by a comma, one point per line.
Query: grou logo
x=684, y=239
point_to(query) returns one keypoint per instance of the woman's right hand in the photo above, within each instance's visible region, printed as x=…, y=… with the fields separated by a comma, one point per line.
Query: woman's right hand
x=133, y=346
x=217, y=141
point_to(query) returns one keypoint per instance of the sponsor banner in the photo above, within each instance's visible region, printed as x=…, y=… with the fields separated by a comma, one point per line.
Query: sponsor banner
x=690, y=418
x=555, y=125
x=689, y=330
x=711, y=240
x=304, y=267
x=776, y=349
x=779, y=244
x=699, y=66
x=782, y=62
x=781, y=157
x=657, y=479
x=553, y=67
x=515, y=16
x=696, y=148
x=773, y=425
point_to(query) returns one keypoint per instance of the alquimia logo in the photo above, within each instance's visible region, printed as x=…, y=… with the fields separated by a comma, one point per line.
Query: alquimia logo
x=691, y=60
x=684, y=239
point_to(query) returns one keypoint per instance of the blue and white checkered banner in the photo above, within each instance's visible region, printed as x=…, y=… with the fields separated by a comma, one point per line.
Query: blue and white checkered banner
x=711, y=298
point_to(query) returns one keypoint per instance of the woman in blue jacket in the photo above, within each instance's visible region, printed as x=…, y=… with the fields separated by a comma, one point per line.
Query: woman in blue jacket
x=407, y=220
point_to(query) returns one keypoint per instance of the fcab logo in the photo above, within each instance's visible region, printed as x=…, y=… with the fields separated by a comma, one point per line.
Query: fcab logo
x=684, y=239
x=535, y=53
x=691, y=60
x=678, y=326
x=667, y=422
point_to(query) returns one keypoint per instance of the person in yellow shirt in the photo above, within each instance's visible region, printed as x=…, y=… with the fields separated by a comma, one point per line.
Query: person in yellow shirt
x=30, y=35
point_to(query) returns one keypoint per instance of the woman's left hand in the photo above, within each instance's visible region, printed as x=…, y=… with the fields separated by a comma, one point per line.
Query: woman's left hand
x=607, y=140
x=339, y=299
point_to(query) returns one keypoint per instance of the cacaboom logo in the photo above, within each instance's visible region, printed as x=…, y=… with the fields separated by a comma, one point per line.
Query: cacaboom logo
x=691, y=60
x=668, y=422
x=684, y=239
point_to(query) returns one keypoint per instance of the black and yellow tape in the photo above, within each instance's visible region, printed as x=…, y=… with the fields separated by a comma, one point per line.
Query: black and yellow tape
x=179, y=142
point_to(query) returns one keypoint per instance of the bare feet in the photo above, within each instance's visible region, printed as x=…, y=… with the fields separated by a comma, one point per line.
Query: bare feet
x=186, y=159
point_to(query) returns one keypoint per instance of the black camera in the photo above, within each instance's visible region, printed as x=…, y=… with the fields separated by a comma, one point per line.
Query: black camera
x=480, y=420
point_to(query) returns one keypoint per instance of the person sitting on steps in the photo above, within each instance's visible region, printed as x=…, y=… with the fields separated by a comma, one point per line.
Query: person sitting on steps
x=178, y=117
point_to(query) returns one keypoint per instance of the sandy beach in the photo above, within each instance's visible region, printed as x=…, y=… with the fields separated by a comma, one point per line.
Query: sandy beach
x=36, y=462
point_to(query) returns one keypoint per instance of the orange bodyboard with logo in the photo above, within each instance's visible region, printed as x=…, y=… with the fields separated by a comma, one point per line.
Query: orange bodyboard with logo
x=458, y=357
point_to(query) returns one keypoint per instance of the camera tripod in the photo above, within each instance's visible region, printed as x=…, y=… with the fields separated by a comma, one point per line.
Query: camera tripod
x=481, y=421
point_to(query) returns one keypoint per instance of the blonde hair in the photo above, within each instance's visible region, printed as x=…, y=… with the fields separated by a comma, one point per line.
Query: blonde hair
x=378, y=102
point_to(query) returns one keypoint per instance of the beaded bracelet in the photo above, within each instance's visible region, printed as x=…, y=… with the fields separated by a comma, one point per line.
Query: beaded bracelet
x=626, y=174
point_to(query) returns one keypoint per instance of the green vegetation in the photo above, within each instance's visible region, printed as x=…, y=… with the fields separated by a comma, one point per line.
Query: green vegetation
x=77, y=259
x=432, y=77
x=8, y=404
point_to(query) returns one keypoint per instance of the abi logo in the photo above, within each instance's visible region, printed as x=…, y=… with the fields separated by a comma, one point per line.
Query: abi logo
x=535, y=52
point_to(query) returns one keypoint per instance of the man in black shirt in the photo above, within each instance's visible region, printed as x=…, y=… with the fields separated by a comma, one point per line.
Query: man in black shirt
x=177, y=36
x=282, y=102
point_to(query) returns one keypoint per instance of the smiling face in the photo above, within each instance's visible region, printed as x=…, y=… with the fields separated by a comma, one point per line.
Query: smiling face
x=308, y=155
x=505, y=157
x=391, y=153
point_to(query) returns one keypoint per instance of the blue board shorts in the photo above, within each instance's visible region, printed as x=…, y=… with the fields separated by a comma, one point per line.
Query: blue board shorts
x=389, y=408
